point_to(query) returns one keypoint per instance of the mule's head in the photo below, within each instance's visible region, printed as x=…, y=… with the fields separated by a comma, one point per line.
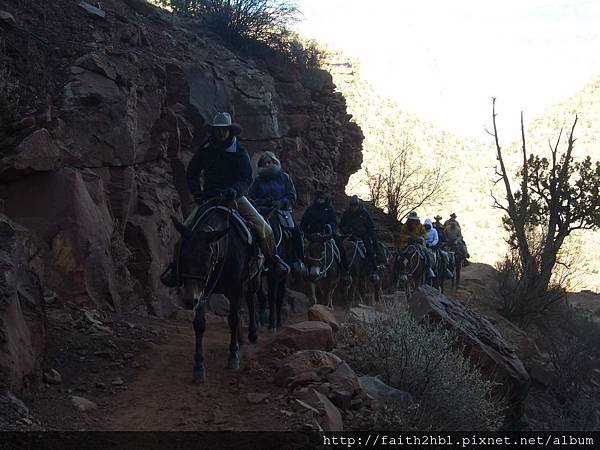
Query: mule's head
x=315, y=254
x=198, y=252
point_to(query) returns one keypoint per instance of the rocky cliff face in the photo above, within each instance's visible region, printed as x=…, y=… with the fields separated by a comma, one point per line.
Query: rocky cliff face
x=112, y=105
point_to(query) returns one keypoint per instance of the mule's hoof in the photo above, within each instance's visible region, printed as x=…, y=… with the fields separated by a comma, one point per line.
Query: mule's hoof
x=234, y=362
x=199, y=375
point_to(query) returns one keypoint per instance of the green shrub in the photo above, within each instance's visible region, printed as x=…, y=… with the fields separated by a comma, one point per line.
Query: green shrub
x=427, y=362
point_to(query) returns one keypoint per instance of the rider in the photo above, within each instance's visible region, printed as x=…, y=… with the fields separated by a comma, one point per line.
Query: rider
x=227, y=172
x=451, y=219
x=434, y=245
x=320, y=217
x=274, y=188
x=357, y=222
x=439, y=227
x=454, y=235
x=413, y=232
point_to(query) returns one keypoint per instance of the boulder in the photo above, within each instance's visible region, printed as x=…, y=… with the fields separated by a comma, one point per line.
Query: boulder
x=484, y=344
x=332, y=419
x=307, y=361
x=310, y=335
x=83, y=404
x=364, y=314
x=322, y=313
x=344, y=379
x=381, y=392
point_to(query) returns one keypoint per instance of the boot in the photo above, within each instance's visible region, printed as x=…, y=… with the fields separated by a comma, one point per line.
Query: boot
x=278, y=266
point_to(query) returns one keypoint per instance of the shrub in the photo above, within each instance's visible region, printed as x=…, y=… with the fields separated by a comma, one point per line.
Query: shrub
x=257, y=27
x=426, y=361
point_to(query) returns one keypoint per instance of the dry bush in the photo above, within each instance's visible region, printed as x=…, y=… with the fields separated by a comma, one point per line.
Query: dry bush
x=572, y=341
x=426, y=361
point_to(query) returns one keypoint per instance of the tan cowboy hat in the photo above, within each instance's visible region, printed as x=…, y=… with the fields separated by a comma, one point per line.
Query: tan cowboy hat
x=223, y=120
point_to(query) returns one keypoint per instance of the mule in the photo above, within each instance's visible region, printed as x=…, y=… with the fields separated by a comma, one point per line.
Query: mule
x=410, y=269
x=360, y=273
x=324, y=267
x=459, y=259
x=216, y=257
x=275, y=286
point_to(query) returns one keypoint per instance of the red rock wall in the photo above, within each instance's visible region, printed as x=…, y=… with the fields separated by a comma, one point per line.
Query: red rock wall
x=111, y=112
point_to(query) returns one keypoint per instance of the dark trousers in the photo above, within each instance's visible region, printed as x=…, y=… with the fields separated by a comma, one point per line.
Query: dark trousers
x=370, y=244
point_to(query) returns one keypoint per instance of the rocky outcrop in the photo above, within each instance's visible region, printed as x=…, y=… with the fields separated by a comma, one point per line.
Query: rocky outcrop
x=22, y=315
x=309, y=335
x=483, y=343
x=96, y=165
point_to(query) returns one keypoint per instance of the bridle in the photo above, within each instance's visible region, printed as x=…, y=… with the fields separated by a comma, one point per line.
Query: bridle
x=324, y=264
x=214, y=260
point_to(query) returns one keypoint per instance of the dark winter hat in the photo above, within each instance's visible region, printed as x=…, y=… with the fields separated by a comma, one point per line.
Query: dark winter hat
x=354, y=200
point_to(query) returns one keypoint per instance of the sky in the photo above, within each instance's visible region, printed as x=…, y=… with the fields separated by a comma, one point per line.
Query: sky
x=444, y=59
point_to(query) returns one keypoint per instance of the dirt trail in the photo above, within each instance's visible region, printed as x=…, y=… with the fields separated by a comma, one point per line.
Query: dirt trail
x=163, y=397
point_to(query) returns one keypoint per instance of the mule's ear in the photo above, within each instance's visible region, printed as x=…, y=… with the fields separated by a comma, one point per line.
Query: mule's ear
x=183, y=230
x=214, y=236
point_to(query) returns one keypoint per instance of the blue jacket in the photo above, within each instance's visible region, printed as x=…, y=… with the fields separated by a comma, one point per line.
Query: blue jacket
x=279, y=187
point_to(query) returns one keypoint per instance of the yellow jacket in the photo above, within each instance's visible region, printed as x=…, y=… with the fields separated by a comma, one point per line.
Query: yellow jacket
x=406, y=234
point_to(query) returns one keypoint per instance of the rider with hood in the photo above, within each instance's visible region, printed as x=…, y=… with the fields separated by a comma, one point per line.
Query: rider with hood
x=357, y=222
x=274, y=188
x=413, y=232
x=320, y=217
x=227, y=173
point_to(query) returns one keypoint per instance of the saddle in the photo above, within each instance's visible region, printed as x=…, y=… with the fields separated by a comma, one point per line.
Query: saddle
x=243, y=227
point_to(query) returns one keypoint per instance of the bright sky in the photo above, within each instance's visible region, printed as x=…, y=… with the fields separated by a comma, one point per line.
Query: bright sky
x=444, y=59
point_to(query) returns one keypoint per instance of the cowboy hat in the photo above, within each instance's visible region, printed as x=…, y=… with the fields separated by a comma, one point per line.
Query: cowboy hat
x=453, y=215
x=438, y=217
x=223, y=120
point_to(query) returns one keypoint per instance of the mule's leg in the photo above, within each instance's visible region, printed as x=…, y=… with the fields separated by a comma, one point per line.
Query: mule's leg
x=330, y=295
x=262, y=303
x=273, y=288
x=199, y=328
x=280, y=295
x=312, y=292
x=233, y=320
x=253, y=288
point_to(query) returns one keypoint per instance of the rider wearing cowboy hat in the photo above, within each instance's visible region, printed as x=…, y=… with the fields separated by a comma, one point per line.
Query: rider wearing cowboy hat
x=227, y=172
x=413, y=232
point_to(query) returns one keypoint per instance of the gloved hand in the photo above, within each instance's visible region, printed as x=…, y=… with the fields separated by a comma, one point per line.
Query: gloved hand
x=229, y=195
